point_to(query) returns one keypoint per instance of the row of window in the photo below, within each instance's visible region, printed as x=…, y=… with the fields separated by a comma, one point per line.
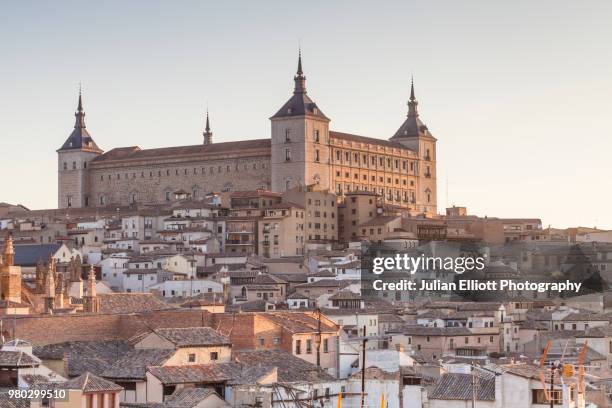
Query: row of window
x=407, y=196
x=203, y=171
x=373, y=178
x=318, y=202
x=318, y=237
x=191, y=358
x=317, y=226
x=316, y=136
x=317, y=155
x=318, y=214
x=309, y=349
x=362, y=159
x=74, y=165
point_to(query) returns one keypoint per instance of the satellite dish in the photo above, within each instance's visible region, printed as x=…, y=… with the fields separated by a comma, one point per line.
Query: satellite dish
x=379, y=210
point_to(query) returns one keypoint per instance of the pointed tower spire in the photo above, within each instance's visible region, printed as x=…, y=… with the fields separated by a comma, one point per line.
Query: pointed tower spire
x=80, y=113
x=299, y=103
x=49, y=289
x=91, y=301
x=80, y=106
x=91, y=282
x=412, y=103
x=80, y=138
x=299, y=69
x=207, y=132
x=299, y=78
x=412, y=126
x=50, y=278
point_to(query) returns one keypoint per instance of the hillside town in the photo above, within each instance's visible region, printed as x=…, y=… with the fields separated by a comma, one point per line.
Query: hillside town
x=234, y=299
x=235, y=274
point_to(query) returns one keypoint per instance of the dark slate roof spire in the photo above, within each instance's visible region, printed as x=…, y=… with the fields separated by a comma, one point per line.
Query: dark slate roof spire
x=207, y=132
x=412, y=126
x=300, y=103
x=412, y=103
x=300, y=78
x=299, y=69
x=80, y=113
x=80, y=107
x=80, y=138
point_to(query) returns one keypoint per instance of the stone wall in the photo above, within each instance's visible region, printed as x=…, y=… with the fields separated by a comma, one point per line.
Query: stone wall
x=154, y=182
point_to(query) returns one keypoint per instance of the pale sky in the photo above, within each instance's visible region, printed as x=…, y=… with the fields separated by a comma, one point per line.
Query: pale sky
x=517, y=93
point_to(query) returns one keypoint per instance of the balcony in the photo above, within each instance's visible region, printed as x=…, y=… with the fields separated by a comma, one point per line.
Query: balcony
x=247, y=232
x=238, y=242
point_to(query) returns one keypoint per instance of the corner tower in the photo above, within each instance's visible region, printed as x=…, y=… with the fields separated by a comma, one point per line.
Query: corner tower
x=300, y=140
x=416, y=136
x=73, y=164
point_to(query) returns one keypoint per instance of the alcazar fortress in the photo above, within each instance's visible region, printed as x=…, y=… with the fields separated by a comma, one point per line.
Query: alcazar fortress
x=301, y=151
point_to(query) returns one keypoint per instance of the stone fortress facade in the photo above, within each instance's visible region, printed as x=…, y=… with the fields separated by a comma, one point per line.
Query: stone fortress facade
x=301, y=151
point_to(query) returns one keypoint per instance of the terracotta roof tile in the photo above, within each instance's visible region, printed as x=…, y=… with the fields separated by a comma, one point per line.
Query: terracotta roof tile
x=89, y=382
x=290, y=368
x=191, y=397
x=193, y=337
x=459, y=387
x=83, y=356
x=131, y=303
x=10, y=402
x=196, y=373
x=133, y=365
x=15, y=359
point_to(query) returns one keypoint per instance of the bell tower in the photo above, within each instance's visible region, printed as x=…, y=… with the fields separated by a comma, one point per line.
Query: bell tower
x=300, y=140
x=73, y=164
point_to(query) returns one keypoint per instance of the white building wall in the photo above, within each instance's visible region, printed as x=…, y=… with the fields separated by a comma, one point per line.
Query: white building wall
x=187, y=287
